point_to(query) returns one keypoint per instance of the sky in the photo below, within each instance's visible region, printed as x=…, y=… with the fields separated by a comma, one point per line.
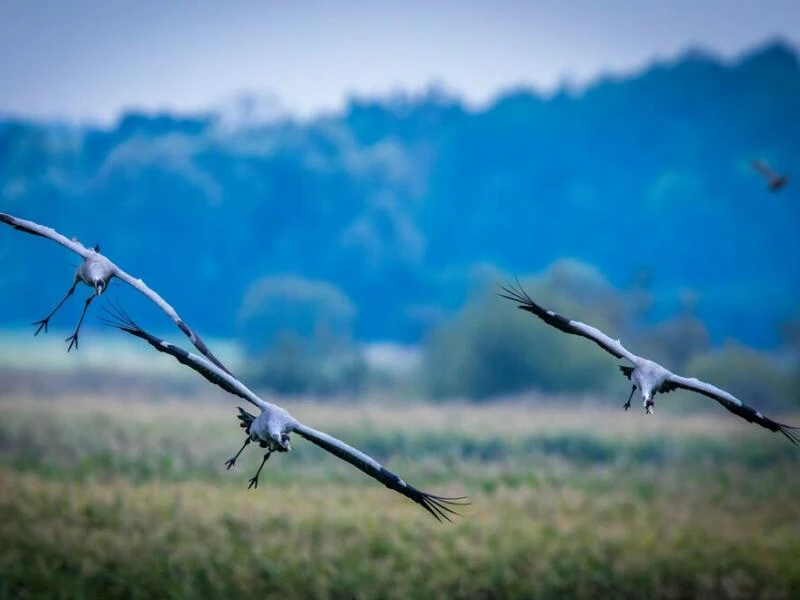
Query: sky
x=88, y=60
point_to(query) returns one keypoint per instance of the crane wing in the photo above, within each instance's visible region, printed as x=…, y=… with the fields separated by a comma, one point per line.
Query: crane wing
x=525, y=302
x=117, y=317
x=436, y=505
x=47, y=232
x=140, y=285
x=763, y=169
x=733, y=404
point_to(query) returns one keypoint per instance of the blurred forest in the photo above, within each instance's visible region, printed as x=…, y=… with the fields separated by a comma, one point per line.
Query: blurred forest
x=630, y=205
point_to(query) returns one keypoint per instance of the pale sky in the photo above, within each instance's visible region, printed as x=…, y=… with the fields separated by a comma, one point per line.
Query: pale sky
x=90, y=59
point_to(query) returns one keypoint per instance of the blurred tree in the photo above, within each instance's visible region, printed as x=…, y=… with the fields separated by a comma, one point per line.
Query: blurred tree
x=754, y=377
x=287, y=368
x=394, y=198
x=295, y=364
x=300, y=332
x=305, y=306
x=676, y=340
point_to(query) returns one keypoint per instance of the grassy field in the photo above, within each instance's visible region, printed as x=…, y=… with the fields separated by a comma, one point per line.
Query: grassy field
x=129, y=498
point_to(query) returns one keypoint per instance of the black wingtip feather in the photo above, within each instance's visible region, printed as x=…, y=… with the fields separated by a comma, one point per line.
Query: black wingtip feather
x=116, y=316
x=526, y=303
x=438, y=505
x=119, y=318
x=750, y=414
x=791, y=433
x=518, y=294
x=14, y=222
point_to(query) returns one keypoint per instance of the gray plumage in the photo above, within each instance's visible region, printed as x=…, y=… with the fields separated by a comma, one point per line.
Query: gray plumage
x=273, y=425
x=647, y=376
x=97, y=271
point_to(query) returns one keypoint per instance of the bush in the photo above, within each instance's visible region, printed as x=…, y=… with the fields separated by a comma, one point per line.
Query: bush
x=296, y=365
x=273, y=305
x=673, y=342
x=491, y=348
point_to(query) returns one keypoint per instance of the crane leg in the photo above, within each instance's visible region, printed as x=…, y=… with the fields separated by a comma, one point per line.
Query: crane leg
x=43, y=322
x=232, y=461
x=627, y=405
x=73, y=339
x=254, y=478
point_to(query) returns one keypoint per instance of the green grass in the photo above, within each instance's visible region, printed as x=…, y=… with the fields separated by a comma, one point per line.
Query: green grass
x=130, y=499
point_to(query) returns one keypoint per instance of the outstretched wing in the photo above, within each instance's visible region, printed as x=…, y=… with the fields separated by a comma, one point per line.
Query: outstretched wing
x=117, y=317
x=77, y=247
x=436, y=505
x=733, y=404
x=761, y=167
x=525, y=302
x=170, y=312
x=47, y=232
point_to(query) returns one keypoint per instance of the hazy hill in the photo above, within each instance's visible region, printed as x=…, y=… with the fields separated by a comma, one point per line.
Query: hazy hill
x=385, y=217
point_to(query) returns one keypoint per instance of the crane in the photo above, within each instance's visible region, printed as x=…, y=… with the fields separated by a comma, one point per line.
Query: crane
x=647, y=376
x=96, y=271
x=272, y=427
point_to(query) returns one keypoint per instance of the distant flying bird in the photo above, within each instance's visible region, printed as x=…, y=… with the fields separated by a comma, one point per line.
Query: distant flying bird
x=649, y=377
x=775, y=182
x=271, y=428
x=96, y=271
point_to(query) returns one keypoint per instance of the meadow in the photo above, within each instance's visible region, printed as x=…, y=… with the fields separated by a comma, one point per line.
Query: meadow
x=125, y=495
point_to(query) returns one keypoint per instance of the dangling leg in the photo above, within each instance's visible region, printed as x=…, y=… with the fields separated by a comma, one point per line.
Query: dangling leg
x=73, y=339
x=254, y=478
x=627, y=405
x=232, y=461
x=43, y=323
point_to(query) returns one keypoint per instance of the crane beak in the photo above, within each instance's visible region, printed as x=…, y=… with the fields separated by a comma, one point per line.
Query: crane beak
x=286, y=445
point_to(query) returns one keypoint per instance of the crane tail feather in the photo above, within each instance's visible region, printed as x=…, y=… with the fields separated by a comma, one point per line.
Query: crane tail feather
x=246, y=419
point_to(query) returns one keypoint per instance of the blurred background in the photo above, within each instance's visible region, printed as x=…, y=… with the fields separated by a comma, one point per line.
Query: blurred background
x=331, y=194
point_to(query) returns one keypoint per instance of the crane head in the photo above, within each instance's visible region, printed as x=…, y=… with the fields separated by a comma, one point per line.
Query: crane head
x=647, y=400
x=279, y=442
